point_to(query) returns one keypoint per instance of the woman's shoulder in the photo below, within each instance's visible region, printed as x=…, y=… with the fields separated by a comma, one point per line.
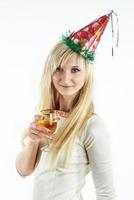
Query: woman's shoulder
x=95, y=128
x=94, y=120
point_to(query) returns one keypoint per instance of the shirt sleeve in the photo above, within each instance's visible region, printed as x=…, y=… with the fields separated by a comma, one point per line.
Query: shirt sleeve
x=98, y=147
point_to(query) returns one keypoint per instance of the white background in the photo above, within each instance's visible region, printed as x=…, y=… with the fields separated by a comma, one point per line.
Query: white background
x=28, y=29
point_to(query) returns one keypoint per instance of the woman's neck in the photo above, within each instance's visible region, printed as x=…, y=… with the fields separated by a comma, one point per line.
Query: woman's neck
x=66, y=104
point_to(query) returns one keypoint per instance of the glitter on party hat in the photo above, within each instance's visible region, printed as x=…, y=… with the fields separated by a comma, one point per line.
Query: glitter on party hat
x=86, y=40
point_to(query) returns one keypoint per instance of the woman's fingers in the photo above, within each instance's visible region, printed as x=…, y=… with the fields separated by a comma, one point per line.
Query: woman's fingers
x=43, y=129
x=38, y=117
x=40, y=134
x=40, y=131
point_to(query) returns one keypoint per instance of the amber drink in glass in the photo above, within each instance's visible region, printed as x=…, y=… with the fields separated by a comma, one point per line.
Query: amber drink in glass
x=49, y=120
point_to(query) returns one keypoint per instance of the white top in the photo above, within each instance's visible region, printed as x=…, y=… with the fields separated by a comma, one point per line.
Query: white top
x=66, y=184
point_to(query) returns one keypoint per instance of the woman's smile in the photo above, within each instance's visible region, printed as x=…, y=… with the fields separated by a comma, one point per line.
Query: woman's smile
x=66, y=86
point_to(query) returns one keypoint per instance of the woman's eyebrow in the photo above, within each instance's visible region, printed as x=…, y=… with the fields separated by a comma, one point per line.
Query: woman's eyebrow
x=76, y=66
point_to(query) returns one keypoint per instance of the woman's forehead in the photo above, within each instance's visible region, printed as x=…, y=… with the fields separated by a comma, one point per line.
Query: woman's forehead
x=71, y=61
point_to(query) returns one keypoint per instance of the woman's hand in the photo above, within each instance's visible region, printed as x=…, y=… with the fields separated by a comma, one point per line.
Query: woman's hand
x=39, y=133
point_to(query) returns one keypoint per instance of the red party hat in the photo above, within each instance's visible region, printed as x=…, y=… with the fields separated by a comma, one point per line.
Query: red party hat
x=86, y=40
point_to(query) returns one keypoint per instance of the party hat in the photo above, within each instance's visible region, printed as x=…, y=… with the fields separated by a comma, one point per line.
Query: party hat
x=86, y=40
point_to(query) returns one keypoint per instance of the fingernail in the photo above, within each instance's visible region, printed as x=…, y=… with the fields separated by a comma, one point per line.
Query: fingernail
x=50, y=137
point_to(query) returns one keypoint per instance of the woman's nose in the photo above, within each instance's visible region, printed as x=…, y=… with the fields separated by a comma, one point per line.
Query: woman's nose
x=66, y=77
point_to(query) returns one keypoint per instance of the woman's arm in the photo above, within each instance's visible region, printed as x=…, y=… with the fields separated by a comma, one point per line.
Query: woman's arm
x=100, y=159
x=26, y=160
x=38, y=135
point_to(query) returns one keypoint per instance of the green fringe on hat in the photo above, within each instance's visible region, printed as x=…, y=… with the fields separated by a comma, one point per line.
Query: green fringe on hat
x=90, y=55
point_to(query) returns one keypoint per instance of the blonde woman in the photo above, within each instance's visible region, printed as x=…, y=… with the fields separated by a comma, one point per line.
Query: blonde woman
x=81, y=144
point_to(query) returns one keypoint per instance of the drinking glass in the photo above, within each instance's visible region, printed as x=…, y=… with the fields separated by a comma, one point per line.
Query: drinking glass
x=49, y=120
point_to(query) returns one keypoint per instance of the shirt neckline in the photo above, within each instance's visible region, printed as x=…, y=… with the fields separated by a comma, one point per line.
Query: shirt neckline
x=59, y=113
x=62, y=113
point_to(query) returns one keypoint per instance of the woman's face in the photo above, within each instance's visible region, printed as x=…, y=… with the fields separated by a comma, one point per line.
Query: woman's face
x=70, y=78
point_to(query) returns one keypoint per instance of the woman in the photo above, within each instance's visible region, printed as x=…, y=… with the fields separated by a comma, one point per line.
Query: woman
x=81, y=144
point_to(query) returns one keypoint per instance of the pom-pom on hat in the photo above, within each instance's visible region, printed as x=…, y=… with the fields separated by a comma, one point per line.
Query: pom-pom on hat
x=86, y=40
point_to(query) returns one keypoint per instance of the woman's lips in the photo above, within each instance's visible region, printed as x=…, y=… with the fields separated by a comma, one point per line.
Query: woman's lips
x=65, y=86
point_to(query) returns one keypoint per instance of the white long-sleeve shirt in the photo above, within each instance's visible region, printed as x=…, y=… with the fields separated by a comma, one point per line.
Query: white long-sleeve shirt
x=94, y=157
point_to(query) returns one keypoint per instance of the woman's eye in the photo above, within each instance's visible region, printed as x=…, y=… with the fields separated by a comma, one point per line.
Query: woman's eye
x=75, y=70
x=58, y=69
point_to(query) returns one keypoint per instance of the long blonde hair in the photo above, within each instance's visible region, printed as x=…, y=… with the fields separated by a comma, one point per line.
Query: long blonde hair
x=83, y=107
